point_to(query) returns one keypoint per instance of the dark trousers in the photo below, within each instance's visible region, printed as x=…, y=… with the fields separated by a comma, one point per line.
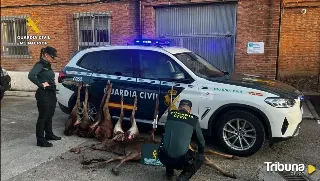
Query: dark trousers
x=46, y=103
x=189, y=163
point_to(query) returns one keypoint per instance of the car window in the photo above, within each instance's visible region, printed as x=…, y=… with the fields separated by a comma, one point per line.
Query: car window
x=156, y=65
x=199, y=65
x=90, y=60
x=117, y=62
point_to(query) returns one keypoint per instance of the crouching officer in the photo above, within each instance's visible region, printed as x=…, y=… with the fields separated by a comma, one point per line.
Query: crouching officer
x=43, y=76
x=174, y=150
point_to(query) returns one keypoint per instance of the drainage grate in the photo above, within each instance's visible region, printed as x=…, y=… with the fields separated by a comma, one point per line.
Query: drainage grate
x=289, y=177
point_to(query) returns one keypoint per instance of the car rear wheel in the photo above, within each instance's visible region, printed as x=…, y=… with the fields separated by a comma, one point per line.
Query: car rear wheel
x=92, y=111
x=92, y=107
x=240, y=133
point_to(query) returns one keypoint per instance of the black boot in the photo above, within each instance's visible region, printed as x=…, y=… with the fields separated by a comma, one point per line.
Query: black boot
x=52, y=137
x=171, y=177
x=44, y=144
x=185, y=176
x=170, y=174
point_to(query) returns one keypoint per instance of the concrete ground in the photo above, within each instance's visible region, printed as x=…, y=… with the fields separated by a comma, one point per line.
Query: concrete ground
x=22, y=160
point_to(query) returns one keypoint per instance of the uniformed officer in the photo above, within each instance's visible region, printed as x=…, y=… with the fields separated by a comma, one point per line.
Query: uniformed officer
x=174, y=150
x=43, y=76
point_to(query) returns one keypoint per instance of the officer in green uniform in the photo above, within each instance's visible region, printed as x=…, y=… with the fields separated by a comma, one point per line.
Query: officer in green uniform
x=43, y=76
x=174, y=150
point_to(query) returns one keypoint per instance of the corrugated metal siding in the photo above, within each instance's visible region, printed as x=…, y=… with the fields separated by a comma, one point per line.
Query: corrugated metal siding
x=208, y=30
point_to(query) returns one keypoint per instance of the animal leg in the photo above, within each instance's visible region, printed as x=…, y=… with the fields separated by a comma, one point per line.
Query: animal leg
x=227, y=156
x=78, y=150
x=106, y=145
x=216, y=167
x=131, y=156
x=69, y=129
x=211, y=152
x=102, y=163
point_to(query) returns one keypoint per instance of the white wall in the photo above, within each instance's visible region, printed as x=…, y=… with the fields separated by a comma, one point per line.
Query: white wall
x=20, y=81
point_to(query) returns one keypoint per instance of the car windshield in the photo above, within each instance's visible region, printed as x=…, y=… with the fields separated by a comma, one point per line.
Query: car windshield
x=199, y=65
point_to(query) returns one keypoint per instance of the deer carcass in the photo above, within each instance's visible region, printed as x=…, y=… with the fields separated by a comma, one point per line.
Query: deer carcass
x=105, y=129
x=84, y=123
x=129, y=150
x=99, y=116
x=133, y=132
x=118, y=133
x=73, y=117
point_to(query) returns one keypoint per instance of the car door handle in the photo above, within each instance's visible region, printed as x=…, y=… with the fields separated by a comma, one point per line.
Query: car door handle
x=204, y=87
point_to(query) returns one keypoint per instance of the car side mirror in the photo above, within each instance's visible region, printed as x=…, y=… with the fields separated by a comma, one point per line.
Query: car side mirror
x=178, y=76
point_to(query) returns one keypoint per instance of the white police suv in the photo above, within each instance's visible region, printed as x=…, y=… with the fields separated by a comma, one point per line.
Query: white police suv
x=239, y=110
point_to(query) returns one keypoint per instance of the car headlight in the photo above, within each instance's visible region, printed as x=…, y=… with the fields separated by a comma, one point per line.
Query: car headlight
x=280, y=102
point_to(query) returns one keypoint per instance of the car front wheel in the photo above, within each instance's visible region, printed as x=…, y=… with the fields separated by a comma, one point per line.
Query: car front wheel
x=240, y=133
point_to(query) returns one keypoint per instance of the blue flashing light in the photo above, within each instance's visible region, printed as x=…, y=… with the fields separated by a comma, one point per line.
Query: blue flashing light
x=301, y=98
x=151, y=42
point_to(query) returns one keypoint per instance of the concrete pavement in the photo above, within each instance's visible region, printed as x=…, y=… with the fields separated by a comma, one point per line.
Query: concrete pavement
x=21, y=155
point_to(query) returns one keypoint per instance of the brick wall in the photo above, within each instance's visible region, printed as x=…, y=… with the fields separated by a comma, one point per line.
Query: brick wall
x=56, y=22
x=256, y=21
x=299, y=58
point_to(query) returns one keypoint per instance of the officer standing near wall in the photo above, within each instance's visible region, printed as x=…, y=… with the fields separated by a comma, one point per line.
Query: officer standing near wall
x=43, y=76
x=174, y=150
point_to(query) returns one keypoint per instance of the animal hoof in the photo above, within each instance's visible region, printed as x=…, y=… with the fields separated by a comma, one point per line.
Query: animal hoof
x=231, y=175
x=85, y=162
x=115, y=171
x=236, y=158
x=234, y=176
x=75, y=150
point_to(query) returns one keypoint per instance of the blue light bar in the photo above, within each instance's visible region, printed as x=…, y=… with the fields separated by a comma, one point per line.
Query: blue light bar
x=151, y=42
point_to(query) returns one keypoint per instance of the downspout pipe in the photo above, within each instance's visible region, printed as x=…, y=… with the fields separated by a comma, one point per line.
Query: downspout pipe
x=279, y=40
x=318, y=88
x=140, y=19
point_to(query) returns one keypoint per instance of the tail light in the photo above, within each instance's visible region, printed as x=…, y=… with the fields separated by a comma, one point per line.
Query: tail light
x=62, y=75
